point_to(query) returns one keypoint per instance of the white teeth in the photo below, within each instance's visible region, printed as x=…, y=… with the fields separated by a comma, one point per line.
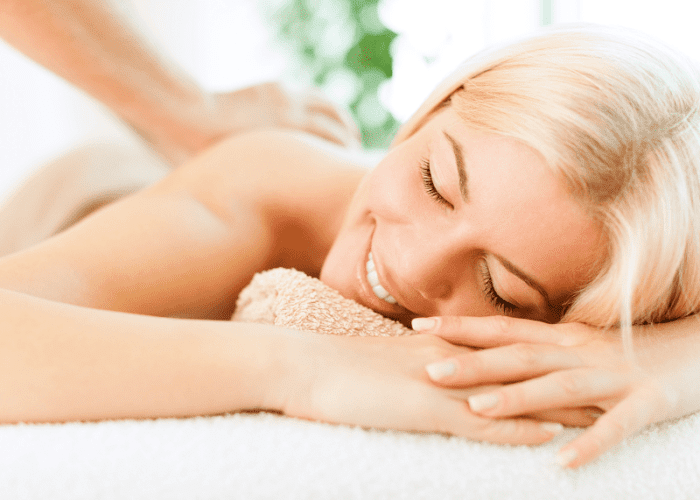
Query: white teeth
x=373, y=279
x=370, y=263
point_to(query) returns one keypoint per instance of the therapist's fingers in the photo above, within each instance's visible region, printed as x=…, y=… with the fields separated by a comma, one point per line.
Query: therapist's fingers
x=271, y=104
x=311, y=111
x=494, y=331
x=318, y=104
x=321, y=125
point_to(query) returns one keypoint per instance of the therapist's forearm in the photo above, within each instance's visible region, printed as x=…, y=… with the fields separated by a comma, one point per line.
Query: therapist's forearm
x=92, y=44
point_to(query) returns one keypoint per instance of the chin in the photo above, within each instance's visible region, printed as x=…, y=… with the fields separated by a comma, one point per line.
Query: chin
x=329, y=276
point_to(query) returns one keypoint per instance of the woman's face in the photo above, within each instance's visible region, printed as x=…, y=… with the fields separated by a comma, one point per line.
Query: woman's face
x=461, y=222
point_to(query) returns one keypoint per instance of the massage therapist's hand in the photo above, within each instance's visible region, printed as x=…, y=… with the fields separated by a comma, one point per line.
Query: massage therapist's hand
x=573, y=365
x=213, y=117
x=272, y=105
x=97, y=46
x=217, y=116
x=381, y=382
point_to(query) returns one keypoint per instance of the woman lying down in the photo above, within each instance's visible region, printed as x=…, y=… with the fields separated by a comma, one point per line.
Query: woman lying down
x=542, y=205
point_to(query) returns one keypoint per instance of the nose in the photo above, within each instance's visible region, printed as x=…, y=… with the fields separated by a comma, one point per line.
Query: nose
x=429, y=263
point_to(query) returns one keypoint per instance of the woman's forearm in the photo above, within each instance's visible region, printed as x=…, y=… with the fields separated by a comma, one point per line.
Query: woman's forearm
x=60, y=362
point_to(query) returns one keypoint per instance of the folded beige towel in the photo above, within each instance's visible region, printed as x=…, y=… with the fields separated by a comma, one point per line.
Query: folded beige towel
x=290, y=298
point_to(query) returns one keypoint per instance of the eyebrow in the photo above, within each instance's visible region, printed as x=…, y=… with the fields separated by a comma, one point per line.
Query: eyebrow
x=461, y=171
x=527, y=279
x=464, y=191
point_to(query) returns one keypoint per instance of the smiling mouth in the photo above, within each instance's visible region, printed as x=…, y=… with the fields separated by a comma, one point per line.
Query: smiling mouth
x=373, y=279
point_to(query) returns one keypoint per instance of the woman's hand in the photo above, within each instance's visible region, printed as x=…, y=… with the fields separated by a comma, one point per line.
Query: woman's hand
x=381, y=382
x=574, y=366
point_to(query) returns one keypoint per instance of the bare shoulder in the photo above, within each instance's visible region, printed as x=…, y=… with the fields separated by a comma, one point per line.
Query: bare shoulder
x=300, y=184
x=272, y=162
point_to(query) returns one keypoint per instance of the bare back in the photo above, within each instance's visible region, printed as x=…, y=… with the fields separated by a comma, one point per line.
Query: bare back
x=187, y=245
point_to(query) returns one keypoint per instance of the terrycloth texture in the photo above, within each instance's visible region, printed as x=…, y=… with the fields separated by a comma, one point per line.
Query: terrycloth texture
x=270, y=457
x=289, y=298
x=265, y=456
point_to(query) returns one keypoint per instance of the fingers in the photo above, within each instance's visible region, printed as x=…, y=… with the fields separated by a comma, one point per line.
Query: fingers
x=495, y=331
x=572, y=417
x=271, y=104
x=456, y=419
x=625, y=419
x=562, y=389
x=317, y=103
x=504, y=364
x=312, y=112
x=323, y=126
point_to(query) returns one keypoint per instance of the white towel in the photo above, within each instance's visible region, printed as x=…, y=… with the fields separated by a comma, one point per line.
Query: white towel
x=266, y=456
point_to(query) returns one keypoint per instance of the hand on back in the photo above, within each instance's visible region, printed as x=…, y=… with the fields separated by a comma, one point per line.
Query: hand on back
x=265, y=105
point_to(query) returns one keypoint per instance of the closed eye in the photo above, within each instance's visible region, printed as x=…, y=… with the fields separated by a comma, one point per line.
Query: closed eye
x=429, y=185
x=502, y=306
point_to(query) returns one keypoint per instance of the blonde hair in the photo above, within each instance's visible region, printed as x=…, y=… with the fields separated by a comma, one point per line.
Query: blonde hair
x=617, y=116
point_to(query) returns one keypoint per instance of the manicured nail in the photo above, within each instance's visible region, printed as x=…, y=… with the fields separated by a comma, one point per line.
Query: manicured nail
x=564, y=458
x=441, y=369
x=482, y=402
x=423, y=324
x=552, y=427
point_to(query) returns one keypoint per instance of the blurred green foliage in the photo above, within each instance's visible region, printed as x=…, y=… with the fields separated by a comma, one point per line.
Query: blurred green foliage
x=345, y=48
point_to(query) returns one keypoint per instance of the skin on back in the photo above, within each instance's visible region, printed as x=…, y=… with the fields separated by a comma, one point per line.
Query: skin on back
x=187, y=245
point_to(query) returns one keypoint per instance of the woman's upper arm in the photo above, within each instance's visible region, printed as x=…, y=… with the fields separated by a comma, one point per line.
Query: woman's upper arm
x=171, y=249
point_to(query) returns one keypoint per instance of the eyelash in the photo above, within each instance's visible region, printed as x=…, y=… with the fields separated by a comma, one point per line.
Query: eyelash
x=504, y=307
x=429, y=185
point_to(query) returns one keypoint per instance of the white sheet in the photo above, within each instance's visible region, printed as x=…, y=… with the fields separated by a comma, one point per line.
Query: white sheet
x=266, y=456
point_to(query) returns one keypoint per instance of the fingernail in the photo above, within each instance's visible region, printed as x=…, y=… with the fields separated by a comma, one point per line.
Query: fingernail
x=552, y=427
x=564, y=458
x=482, y=402
x=422, y=324
x=441, y=369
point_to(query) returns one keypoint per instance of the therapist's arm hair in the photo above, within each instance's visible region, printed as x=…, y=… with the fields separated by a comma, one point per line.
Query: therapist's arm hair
x=95, y=45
